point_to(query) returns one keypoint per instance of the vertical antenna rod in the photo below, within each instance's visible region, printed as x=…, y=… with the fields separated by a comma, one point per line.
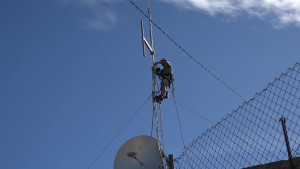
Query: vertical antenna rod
x=150, y=25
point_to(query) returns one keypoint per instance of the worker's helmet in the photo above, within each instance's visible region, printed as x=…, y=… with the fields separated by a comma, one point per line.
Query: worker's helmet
x=163, y=60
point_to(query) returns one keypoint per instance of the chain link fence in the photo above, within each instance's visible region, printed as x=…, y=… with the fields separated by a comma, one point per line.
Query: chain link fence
x=252, y=134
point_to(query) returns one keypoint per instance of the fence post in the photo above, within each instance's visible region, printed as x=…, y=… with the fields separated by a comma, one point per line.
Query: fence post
x=283, y=122
x=171, y=161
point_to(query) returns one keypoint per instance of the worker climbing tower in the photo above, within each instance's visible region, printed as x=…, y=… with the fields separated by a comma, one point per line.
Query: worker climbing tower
x=146, y=152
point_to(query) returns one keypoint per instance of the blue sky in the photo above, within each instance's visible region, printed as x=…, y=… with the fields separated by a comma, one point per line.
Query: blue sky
x=72, y=72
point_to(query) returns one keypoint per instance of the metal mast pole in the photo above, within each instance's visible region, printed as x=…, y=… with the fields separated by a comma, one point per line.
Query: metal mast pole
x=155, y=112
x=156, y=109
x=153, y=73
x=150, y=25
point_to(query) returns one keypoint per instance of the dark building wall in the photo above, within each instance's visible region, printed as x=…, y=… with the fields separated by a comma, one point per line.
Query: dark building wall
x=284, y=164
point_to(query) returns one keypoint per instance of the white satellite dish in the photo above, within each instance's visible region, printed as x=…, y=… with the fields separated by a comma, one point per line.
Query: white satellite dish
x=140, y=152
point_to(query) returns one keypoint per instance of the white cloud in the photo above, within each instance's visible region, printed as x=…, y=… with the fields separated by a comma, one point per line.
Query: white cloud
x=103, y=20
x=101, y=13
x=281, y=12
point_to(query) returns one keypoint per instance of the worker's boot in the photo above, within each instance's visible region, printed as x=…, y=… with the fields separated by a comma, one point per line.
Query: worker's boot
x=158, y=99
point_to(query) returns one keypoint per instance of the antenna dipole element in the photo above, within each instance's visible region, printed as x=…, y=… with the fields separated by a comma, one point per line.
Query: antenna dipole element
x=144, y=41
x=143, y=38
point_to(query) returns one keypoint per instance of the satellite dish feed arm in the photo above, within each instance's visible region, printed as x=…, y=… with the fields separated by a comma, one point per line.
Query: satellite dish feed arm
x=133, y=155
x=144, y=41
